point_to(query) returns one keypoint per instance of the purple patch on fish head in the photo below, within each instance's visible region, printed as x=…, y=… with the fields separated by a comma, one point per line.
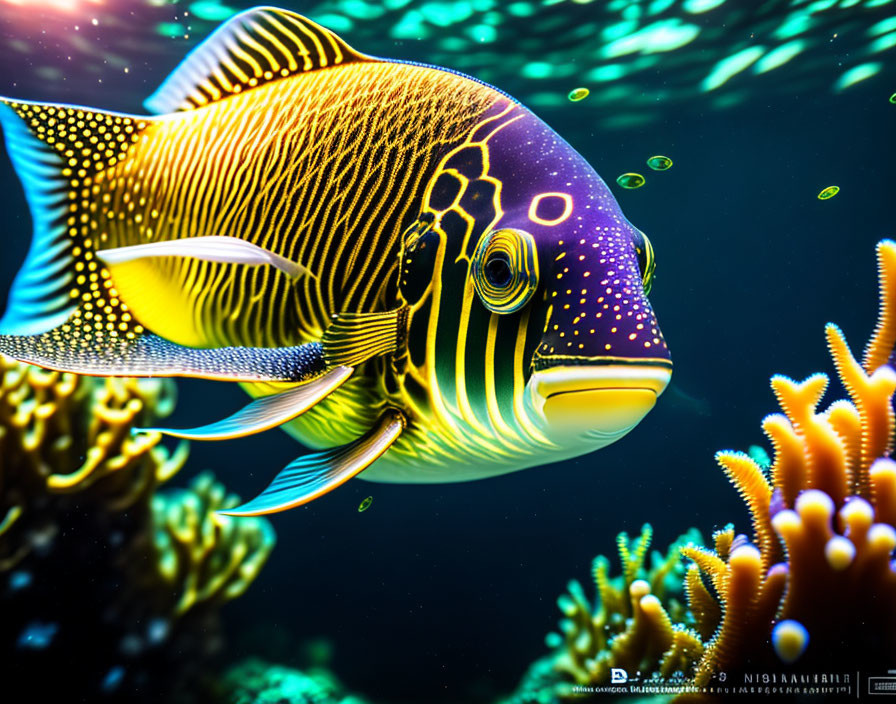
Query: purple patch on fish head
x=593, y=263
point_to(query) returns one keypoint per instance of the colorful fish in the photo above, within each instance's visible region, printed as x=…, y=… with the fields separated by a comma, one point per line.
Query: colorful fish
x=415, y=275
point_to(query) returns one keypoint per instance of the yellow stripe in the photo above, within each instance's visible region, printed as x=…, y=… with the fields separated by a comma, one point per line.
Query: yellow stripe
x=319, y=49
x=232, y=65
x=504, y=432
x=463, y=401
x=218, y=73
x=519, y=383
x=240, y=53
x=287, y=54
x=248, y=40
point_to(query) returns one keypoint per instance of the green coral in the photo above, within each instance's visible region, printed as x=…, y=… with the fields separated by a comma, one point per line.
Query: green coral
x=539, y=685
x=258, y=682
x=638, y=622
x=64, y=435
x=207, y=557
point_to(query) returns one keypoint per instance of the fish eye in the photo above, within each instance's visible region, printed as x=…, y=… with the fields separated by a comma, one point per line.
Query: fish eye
x=497, y=270
x=505, y=269
x=646, y=260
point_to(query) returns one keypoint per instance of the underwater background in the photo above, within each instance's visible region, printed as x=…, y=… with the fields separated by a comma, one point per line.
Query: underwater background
x=444, y=593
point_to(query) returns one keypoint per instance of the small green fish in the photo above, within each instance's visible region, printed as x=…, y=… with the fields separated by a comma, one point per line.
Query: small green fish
x=659, y=163
x=577, y=94
x=365, y=504
x=893, y=98
x=829, y=192
x=631, y=180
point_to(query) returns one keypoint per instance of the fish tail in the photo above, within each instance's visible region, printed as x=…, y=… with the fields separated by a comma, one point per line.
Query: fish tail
x=65, y=157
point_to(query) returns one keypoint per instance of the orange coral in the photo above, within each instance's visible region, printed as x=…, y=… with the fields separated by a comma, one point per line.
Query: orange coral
x=829, y=506
x=814, y=589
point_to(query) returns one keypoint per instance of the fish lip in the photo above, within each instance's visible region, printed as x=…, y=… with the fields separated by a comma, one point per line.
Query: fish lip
x=547, y=362
x=639, y=383
x=557, y=380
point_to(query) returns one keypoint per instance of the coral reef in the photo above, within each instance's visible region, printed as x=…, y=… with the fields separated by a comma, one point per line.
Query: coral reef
x=90, y=550
x=632, y=624
x=64, y=435
x=823, y=512
x=638, y=622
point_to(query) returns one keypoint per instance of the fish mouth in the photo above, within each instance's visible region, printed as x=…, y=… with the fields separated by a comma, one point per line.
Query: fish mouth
x=596, y=401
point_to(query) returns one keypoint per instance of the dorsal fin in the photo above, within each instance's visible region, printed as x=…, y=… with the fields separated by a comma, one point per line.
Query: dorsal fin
x=252, y=48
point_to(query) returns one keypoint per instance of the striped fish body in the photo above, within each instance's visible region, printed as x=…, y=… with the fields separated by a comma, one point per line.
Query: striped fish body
x=325, y=168
x=304, y=167
x=413, y=272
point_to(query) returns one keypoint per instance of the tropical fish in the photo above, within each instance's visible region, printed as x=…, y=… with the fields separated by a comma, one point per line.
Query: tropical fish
x=414, y=274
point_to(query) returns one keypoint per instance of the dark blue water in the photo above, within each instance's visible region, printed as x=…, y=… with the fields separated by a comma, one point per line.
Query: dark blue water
x=444, y=592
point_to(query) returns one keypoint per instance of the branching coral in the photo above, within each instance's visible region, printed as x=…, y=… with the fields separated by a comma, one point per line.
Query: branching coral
x=63, y=434
x=824, y=516
x=209, y=557
x=638, y=623
x=87, y=546
x=815, y=585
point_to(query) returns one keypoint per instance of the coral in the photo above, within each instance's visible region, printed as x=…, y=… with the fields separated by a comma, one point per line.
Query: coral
x=812, y=588
x=211, y=558
x=541, y=684
x=258, y=682
x=638, y=623
x=90, y=548
x=63, y=434
x=825, y=514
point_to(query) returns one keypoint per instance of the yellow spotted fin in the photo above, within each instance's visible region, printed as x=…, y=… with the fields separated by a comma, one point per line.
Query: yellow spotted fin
x=64, y=311
x=57, y=152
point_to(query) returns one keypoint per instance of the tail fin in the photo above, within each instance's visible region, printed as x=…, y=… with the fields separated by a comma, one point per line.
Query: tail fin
x=62, y=155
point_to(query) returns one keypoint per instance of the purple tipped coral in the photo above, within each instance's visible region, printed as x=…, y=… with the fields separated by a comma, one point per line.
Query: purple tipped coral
x=812, y=587
x=827, y=511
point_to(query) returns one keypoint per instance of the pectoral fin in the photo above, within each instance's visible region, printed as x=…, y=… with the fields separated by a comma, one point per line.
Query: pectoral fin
x=266, y=412
x=71, y=348
x=313, y=475
x=353, y=338
x=213, y=248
